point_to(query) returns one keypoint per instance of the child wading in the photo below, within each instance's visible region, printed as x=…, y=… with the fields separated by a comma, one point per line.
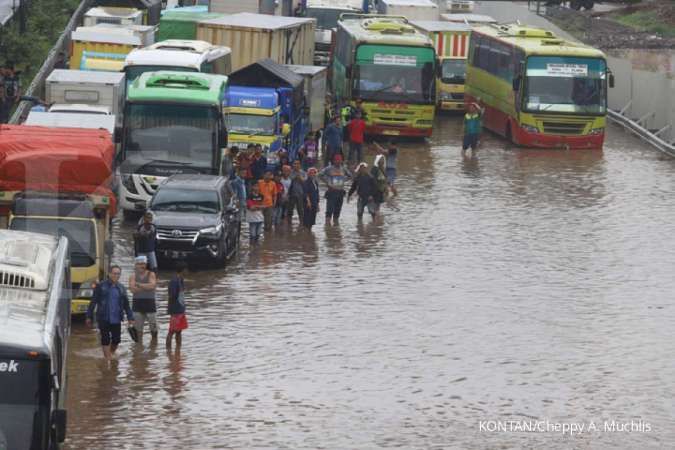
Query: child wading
x=176, y=306
x=472, y=127
x=254, y=213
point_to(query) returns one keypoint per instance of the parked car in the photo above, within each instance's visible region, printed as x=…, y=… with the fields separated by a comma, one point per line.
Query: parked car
x=196, y=217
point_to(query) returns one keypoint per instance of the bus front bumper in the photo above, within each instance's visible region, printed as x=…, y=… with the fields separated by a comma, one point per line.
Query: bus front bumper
x=79, y=306
x=379, y=130
x=539, y=140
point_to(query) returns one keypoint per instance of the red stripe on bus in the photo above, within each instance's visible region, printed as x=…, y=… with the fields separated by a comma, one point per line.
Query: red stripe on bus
x=440, y=38
x=463, y=46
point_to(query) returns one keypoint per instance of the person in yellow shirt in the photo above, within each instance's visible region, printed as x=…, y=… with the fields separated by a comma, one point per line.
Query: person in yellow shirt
x=268, y=189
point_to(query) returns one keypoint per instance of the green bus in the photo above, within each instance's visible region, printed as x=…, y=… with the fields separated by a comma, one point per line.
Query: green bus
x=391, y=67
x=173, y=123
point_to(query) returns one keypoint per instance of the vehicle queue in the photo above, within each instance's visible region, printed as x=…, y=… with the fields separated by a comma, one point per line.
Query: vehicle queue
x=216, y=124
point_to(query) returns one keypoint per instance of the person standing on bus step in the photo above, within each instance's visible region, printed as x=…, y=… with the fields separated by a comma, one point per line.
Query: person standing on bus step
x=472, y=127
x=357, y=131
x=146, y=240
x=142, y=283
x=111, y=302
x=176, y=307
x=333, y=138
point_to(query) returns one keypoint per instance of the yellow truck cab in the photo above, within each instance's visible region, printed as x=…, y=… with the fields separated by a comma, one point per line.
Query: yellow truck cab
x=451, y=41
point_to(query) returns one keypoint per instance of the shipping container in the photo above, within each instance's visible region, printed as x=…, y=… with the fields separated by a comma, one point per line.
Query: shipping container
x=108, y=39
x=113, y=16
x=84, y=87
x=176, y=24
x=410, y=9
x=316, y=78
x=151, y=8
x=234, y=6
x=285, y=40
x=272, y=7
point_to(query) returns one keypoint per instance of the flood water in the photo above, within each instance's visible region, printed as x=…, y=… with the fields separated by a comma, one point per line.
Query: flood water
x=522, y=285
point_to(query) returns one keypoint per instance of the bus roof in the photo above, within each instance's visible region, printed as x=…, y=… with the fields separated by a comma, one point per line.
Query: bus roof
x=377, y=29
x=26, y=270
x=537, y=41
x=183, y=87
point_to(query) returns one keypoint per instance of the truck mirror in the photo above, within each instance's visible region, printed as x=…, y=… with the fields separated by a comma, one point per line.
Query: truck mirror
x=59, y=424
x=439, y=68
x=516, y=83
x=223, y=137
x=611, y=80
x=286, y=129
x=109, y=247
x=117, y=135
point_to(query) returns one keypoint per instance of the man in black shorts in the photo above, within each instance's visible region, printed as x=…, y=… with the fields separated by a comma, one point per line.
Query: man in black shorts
x=111, y=302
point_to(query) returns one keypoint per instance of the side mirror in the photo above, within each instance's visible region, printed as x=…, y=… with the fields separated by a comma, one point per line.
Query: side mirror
x=117, y=135
x=286, y=129
x=109, y=247
x=516, y=83
x=611, y=80
x=439, y=68
x=59, y=419
x=30, y=98
x=223, y=137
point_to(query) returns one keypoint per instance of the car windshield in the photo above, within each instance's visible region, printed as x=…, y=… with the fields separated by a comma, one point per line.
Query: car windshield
x=250, y=124
x=566, y=84
x=20, y=414
x=80, y=233
x=325, y=18
x=133, y=72
x=181, y=134
x=185, y=200
x=453, y=71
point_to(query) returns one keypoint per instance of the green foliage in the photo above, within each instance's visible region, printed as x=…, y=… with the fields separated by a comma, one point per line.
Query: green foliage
x=647, y=20
x=46, y=21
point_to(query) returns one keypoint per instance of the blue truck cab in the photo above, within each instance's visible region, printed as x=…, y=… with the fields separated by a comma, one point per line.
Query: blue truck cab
x=265, y=105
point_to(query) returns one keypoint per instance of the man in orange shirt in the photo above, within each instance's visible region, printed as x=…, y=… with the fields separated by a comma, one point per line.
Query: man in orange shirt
x=268, y=190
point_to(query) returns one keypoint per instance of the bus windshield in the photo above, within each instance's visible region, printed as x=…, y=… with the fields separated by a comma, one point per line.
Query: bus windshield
x=453, y=71
x=182, y=136
x=133, y=72
x=20, y=396
x=251, y=124
x=80, y=233
x=394, y=74
x=566, y=85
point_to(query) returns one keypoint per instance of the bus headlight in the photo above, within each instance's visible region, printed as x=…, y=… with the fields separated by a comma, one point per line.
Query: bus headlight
x=86, y=289
x=596, y=131
x=128, y=182
x=529, y=129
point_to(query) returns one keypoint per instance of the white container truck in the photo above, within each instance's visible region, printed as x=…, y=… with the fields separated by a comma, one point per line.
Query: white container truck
x=273, y=7
x=87, y=87
x=113, y=16
x=410, y=9
x=316, y=79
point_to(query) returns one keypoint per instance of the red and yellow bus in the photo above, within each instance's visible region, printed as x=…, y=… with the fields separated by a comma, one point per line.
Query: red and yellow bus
x=538, y=90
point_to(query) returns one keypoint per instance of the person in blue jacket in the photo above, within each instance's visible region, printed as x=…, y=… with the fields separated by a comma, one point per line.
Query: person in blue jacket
x=311, y=188
x=111, y=302
x=332, y=136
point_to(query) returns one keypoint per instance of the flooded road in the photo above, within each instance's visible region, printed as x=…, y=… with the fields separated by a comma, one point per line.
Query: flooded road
x=523, y=285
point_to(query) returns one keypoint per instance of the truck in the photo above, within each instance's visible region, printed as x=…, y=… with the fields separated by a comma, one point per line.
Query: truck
x=113, y=15
x=58, y=119
x=179, y=24
x=59, y=181
x=286, y=40
x=410, y=9
x=151, y=9
x=451, y=41
x=65, y=87
x=107, y=42
x=173, y=123
x=315, y=85
x=327, y=13
x=272, y=7
x=266, y=106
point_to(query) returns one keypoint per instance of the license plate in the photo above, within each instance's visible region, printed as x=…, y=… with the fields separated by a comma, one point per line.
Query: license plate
x=391, y=132
x=175, y=255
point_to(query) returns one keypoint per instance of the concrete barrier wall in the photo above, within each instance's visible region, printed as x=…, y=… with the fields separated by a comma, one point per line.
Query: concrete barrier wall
x=648, y=97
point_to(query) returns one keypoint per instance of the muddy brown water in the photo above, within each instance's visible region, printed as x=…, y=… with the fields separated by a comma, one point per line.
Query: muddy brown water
x=523, y=285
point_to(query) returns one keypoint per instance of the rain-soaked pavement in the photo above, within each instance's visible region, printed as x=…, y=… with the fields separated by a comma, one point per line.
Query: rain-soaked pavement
x=524, y=285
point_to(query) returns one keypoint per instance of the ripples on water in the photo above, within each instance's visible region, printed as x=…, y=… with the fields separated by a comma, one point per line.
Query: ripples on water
x=522, y=284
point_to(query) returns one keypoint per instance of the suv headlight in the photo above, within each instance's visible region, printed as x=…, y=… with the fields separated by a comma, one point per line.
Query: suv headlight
x=128, y=182
x=530, y=129
x=211, y=231
x=596, y=131
x=86, y=289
